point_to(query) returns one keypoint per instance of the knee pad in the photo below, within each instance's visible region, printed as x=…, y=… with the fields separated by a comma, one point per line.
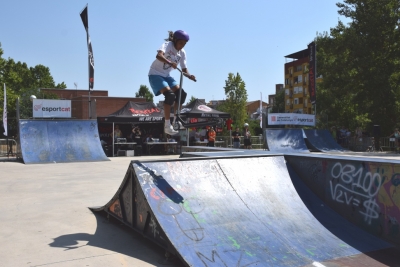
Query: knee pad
x=169, y=97
x=183, y=95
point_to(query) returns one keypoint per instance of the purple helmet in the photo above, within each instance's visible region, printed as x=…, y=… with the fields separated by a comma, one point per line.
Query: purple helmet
x=181, y=35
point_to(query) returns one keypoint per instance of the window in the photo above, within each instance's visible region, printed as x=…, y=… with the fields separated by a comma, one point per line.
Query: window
x=296, y=101
x=300, y=78
x=296, y=90
x=286, y=81
x=300, y=89
x=286, y=91
x=287, y=102
x=298, y=68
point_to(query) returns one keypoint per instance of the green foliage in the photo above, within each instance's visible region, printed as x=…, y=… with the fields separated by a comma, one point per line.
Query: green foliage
x=192, y=99
x=145, y=93
x=279, y=104
x=23, y=81
x=236, y=99
x=360, y=66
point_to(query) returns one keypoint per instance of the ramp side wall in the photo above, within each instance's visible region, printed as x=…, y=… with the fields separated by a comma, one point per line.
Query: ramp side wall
x=366, y=193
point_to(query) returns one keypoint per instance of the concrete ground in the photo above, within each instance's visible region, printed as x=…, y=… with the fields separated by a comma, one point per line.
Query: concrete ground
x=45, y=220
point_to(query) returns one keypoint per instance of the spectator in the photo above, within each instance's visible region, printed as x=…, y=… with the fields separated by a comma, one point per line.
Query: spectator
x=136, y=135
x=236, y=138
x=247, y=135
x=116, y=133
x=211, y=137
x=396, y=135
x=333, y=132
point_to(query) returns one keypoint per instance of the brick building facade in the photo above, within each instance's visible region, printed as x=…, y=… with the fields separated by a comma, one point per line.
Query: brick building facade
x=101, y=103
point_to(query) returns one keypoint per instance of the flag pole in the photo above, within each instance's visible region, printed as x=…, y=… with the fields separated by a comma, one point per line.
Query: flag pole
x=5, y=120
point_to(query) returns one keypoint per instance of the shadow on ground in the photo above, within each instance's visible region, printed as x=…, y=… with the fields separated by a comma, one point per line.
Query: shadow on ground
x=114, y=236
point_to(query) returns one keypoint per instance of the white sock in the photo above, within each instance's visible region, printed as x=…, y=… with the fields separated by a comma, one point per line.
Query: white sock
x=167, y=123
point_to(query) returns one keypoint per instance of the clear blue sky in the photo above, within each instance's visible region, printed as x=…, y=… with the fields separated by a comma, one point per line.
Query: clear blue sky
x=249, y=37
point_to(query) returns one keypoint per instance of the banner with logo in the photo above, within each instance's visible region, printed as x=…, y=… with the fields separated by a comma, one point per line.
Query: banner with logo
x=51, y=108
x=291, y=119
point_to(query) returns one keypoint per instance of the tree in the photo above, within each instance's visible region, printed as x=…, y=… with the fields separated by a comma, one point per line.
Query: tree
x=360, y=66
x=236, y=99
x=145, y=93
x=192, y=99
x=23, y=81
x=279, y=103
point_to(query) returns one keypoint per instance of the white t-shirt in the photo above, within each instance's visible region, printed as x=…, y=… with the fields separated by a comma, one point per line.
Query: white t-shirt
x=170, y=53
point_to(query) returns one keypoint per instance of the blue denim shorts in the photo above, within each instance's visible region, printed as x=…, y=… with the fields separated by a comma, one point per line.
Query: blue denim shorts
x=158, y=82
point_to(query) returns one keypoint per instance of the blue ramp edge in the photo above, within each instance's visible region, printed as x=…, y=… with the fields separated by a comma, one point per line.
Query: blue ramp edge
x=49, y=141
x=286, y=140
x=322, y=140
x=216, y=212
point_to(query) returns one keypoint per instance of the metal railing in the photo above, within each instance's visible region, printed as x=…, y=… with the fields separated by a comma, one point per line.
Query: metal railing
x=8, y=147
x=256, y=141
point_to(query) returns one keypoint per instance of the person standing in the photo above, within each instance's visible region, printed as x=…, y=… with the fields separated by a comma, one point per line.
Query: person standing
x=211, y=137
x=247, y=135
x=236, y=138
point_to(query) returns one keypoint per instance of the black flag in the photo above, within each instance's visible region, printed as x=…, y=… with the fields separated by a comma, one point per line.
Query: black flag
x=85, y=20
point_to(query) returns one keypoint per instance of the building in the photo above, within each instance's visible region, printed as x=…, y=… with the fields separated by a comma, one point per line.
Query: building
x=101, y=103
x=297, y=97
x=271, y=98
x=253, y=108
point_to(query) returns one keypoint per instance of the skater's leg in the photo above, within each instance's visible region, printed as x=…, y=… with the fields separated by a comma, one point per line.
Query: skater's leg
x=163, y=85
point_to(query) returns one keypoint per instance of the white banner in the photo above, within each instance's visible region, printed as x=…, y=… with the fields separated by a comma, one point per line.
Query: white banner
x=291, y=119
x=5, y=112
x=51, y=108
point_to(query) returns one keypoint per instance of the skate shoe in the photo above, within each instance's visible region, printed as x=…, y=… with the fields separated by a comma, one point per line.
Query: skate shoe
x=170, y=130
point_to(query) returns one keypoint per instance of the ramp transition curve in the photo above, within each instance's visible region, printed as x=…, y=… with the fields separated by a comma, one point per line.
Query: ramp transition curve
x=286, y=140
x=322, y=140
x=48, y=141
x=232, y=212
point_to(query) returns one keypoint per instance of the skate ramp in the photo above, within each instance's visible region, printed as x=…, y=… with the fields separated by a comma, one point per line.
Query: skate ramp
x=54, y=141
x=286, y=140
x=322, y=140
x=230, y=212
x=361, y=190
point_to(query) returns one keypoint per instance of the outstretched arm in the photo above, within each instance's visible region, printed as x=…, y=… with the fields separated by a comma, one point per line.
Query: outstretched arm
x=192, y=77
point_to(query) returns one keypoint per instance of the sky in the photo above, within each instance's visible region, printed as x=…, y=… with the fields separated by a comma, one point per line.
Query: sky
x=250, y=37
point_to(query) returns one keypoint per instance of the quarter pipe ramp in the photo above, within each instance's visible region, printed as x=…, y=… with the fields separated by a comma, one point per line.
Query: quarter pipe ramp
x=286, y=140
x=322, y=140
x=230, y=212
x=48, y=141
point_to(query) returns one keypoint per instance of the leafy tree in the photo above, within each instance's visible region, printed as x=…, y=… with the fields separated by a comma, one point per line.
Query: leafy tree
x=236, y=99
x=360, y=66
x=23, y=81
x=192, y=99
x=279, y=103
x=145, y=93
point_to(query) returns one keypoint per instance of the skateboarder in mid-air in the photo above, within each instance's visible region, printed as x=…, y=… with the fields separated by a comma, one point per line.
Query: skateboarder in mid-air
x=168, y=56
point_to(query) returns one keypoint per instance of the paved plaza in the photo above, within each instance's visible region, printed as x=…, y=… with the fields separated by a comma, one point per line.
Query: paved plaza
x=45, y=220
